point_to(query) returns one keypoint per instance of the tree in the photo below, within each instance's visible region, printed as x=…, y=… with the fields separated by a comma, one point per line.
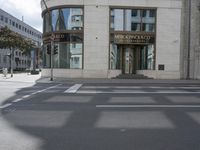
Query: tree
x=12, y=41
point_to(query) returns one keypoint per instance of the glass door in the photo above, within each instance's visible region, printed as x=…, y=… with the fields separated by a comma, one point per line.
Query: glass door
x=128, y=60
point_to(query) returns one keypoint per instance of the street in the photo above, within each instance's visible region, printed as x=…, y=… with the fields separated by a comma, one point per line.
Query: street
x=100, y=116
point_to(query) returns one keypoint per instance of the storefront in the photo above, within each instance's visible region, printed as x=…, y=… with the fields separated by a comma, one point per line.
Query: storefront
x=105, y=39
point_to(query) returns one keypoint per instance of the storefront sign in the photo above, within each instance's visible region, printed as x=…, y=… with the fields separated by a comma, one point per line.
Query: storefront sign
x=63, y=37
x=133, y=38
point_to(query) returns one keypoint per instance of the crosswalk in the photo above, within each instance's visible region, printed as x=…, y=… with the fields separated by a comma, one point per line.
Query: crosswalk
x=114, y=89
x=117, y=89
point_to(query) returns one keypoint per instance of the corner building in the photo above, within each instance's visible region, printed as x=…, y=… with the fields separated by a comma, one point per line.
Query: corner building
x=106, y=38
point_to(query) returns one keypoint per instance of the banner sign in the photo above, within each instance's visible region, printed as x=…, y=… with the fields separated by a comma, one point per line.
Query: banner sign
x=133, y=38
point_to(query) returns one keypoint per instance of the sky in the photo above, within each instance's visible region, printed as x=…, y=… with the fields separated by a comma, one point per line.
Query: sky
x=29, y=9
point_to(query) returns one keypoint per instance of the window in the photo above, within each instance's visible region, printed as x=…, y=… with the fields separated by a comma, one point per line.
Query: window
x=76, y=60
x=20, y=27
x=63, y=19
x=144, y=13
x=132, y=20
x=13, y=23
x=134, y=13
x=152, y=13
x=135, y=27
x=6, y=20
x=151, y=27
x=16, y=25
x=2, y=17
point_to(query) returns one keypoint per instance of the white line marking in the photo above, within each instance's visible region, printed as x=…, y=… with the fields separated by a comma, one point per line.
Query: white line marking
x=6, y=105
x=26, y=96
x=138, y=87
x=73, y=89
x=148, y=106
x=136, y=92
x=17, y=100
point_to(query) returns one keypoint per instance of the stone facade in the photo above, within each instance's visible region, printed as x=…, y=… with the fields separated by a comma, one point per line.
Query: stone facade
x=171, y=38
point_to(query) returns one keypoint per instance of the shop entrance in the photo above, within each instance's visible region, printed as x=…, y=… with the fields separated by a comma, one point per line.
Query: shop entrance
x=130, y=58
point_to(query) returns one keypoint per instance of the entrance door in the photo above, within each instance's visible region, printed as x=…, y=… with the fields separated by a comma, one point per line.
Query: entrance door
x=128, y=66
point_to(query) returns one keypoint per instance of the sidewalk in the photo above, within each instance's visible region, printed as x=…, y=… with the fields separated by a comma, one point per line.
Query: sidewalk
x=24, y=77
x=114, y=81
x=20, y=77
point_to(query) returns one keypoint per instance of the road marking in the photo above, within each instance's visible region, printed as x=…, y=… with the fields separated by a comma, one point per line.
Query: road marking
x=139, y=87
x=73, y=89
x=4, y=106
x=26, y=96
x=17, y=100
x=148, y=106
x=136, y=92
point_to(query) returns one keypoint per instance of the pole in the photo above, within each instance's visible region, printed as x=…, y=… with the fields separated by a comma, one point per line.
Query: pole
x=52, y=42
x=52, y=46
x=11, y=62
x=189, y=40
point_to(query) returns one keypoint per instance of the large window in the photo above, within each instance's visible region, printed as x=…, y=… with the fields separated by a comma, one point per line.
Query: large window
x=132, y=38
x=68, y=56
x=67, y=26
x=63, y=19
x=135, y=20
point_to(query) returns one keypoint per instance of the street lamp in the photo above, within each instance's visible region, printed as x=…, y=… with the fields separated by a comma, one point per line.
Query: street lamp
x=52, y=42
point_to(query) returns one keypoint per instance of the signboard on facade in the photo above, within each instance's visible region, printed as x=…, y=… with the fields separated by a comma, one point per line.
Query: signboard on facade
x=63, y=37
x=133, y=38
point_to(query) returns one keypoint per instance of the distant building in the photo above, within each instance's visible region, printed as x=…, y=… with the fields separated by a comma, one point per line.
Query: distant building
x=105, y=38
x=21, y=61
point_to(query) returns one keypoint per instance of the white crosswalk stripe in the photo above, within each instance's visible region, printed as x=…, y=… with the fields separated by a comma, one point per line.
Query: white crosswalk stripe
x=73, y=89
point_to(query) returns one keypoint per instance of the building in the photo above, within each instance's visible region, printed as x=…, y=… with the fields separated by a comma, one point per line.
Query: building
x=106, y=38
x=21, y=61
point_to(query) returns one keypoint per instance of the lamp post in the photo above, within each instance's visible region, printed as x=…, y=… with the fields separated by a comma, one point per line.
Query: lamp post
x=52, y=41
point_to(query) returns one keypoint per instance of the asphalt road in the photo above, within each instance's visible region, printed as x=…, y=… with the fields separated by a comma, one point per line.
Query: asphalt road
x=104, y=116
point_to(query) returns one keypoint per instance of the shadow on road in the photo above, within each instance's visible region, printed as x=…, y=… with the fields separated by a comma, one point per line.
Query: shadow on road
x=73, y=122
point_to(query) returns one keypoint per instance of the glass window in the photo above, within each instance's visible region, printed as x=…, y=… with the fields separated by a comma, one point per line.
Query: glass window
x=135, y=27
x=118, y=19
x=152, y=13
x=47, y=24
x=55, y=21
x=132, y=20
x=144, y=13
x=115, y=58
x=64, y=19
x=134, y=13
x=2, y=17
x=68, y=56
x=6, y=20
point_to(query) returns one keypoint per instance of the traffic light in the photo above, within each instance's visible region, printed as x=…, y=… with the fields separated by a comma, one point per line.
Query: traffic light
x=55, y=50
x=49, y=49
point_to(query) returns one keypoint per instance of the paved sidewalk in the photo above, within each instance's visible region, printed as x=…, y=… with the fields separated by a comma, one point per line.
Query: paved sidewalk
x=24, y=77
x=115, y=81
x=20, y=77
